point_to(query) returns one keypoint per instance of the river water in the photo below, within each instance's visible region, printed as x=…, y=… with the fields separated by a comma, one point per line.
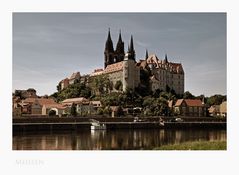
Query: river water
x=138, y=139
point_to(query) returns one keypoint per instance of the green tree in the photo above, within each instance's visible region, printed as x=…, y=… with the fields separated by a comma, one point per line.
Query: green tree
x=58, y=87
x=188, y=95
x=73, y=109
x=215, y=99
x=120, y=111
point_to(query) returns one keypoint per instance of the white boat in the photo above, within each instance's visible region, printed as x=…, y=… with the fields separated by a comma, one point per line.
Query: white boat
x=96, y=125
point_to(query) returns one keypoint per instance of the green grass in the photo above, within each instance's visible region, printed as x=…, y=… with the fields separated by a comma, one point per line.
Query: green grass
x=197, y=145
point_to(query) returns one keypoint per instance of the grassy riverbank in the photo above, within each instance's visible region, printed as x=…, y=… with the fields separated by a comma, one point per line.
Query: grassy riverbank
x=204, y=145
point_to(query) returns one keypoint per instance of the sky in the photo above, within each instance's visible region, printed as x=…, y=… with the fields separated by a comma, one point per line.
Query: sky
x=48, y=47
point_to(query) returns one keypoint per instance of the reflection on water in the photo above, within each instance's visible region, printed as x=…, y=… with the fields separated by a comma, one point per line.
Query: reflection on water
x=112, y=139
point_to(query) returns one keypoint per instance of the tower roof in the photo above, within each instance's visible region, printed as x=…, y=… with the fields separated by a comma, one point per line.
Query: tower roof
x=109, y=43
x=120, y=38
x=131, y=46
x=146, y=54
x=166, y=58
x=120, y=45
x=109, y=37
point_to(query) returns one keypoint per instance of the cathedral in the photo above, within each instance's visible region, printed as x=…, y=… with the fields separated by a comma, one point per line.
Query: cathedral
x=122, y=68
x=114, y=56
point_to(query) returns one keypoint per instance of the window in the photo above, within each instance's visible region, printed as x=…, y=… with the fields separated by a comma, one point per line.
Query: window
x=195, y=109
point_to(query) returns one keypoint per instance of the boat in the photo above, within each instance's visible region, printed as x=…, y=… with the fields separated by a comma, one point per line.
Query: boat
x=96, y=125
x=161, y=122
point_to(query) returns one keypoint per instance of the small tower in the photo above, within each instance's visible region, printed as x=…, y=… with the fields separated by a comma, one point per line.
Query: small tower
x=131, y=73
x=119, y=52
x=146, y=54
x=109, y=51
x=131, y=51
x=166, y=58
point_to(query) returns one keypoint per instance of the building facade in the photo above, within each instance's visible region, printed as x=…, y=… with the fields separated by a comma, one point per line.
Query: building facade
x=164, y=73
x=190, y=108
x=120, y=66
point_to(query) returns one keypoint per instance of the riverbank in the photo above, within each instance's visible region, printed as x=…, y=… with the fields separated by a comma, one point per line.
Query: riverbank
x=196, y=145
x=78, y=123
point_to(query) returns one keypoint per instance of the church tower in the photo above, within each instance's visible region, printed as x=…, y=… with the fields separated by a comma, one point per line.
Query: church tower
x=146, y=54
x=119, y=52
x=109, y=51
x=131, y=51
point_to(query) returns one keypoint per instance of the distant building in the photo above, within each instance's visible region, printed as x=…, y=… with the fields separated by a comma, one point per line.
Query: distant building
x=64, y=83
x=71, y=80
x=37, y=106
x=223, y=109
x=214, y=110
x=164, y=73
x=190, y=107
x=83, y=105
x=74, y=77
x=121, y=66
x=218, y=110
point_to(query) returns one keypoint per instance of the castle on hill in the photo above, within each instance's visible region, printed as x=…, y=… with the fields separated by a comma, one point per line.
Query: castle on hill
x=122, y=67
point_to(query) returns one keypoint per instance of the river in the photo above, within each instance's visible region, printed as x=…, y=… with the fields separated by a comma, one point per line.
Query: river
x=138, y=139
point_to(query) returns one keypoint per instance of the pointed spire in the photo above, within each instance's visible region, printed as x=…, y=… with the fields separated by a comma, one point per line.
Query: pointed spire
x=120, y=39
x=131, y=50
x=109, y=43
x=131, y=44
x=109, y=37
x=146, y=54
x=166, y=58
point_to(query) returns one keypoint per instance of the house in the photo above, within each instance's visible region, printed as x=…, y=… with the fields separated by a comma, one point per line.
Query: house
x=37, y=104
x=218, y=110
x=214, y=110
x=223, y=109
x=190, y=107
x=74, y=77
x=83, y=105
x=54, y=109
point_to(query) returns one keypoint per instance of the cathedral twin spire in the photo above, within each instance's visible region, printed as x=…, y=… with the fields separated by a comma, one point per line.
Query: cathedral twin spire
x=117, y=55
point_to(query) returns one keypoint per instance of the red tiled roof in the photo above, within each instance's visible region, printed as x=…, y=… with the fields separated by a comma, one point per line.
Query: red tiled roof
x=178, y=102
x=189, y=102
x=114, y=67
x=41, y=101
x=75, y=100
x=58, y=106
x=193, y=102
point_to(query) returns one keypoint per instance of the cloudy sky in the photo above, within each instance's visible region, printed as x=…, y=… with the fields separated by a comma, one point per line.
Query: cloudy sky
x=48, y=47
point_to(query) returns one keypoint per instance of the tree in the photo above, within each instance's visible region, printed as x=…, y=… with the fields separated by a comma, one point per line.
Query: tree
x=101, y=85
x=118, y=85
x=215, y=99
x=120, y=111
x=58, y=87
x=188, y=95
x=73, y=109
